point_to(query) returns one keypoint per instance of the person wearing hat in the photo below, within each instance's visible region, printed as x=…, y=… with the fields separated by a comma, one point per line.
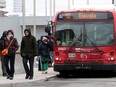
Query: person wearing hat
x=28, y=51
x=12, y=45
x=44, y=53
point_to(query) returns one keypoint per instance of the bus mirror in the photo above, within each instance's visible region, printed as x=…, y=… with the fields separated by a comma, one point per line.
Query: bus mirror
x=47, y=29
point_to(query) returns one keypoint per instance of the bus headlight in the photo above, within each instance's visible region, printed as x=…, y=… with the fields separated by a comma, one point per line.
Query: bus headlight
x=111, y=59
x=58, y=59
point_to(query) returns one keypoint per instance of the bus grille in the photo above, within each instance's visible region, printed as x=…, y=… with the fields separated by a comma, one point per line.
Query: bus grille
x=83, y=62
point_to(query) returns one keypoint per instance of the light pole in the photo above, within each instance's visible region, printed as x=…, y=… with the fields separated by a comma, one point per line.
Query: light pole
x=112, y=1
x=46, y=7
x=23, y=13
x=34, y=15
x=68, y=4
x=87, y=2
x=54, y=6
x=72, y=2
x=50, y=10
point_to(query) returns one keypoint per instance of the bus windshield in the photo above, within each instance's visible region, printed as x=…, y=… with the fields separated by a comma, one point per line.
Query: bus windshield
x=80, y=33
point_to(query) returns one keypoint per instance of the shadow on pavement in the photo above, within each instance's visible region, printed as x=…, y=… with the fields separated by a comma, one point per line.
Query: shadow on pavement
x=88, y=74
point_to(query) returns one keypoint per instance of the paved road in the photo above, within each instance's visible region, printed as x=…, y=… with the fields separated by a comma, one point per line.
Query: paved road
x=82, y=80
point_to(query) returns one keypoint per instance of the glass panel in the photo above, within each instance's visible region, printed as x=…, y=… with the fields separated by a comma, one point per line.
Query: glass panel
x=84, y=33
x=66, y=32
x=101, y=33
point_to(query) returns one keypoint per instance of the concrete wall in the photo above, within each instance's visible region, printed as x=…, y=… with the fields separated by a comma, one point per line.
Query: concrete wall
x=15, y=23
x=40, y=20
x=7, y=23
x=18, y=65
x=39, y=31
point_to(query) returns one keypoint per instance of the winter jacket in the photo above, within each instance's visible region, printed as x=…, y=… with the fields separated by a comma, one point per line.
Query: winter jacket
x=28, y=46
x=44, y=49
x=13, y=47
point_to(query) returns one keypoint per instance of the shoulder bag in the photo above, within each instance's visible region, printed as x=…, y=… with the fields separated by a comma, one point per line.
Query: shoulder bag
x=5, y=51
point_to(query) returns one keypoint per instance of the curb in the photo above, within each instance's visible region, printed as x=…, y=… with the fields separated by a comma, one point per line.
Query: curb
x=20, y=81
x=26, y=83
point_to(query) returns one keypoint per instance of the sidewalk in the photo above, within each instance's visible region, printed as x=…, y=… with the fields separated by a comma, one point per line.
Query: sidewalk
x=20, y=81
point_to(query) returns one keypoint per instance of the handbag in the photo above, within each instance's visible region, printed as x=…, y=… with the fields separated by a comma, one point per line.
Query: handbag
x=5, y=51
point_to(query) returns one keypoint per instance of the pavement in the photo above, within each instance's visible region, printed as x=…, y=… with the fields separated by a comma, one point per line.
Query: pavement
x=20, y=81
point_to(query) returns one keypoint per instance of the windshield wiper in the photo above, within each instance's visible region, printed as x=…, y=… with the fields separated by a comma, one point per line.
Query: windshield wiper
x=84, y=35
x=97, y=49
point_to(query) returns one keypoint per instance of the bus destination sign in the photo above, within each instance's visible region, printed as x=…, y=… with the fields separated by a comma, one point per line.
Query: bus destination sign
x=84, y=15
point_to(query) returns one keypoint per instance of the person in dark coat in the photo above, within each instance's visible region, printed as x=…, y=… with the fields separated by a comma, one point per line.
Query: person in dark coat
x=4, y=73
x=44, y=53
x=39, y=41
x=10, y=57
x=28, y=52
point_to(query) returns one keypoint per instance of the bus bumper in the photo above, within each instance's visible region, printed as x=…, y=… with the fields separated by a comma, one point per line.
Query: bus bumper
x=70, y=67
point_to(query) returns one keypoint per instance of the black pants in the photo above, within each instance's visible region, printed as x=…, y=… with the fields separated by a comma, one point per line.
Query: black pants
x=3, y=65
x=9, y=64
x=28, y=69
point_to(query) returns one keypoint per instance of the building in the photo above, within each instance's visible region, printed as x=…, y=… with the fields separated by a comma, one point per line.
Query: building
x=16, y=24
x=2, y=3
x=2, y=13
x=17, y=5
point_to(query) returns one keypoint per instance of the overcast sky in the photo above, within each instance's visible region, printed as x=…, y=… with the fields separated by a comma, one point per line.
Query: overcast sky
x=60, y=5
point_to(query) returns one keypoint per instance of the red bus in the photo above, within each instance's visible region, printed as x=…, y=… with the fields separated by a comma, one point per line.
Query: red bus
x=85, y=39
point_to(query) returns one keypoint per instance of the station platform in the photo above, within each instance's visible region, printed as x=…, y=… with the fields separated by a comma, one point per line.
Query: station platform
x=20, y=81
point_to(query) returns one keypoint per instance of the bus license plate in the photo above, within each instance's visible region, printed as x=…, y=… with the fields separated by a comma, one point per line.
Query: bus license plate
x=83, y=67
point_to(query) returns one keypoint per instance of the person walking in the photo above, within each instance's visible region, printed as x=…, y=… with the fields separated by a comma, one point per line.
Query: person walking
x=39, y=41
x=28, y=52
x=3, y=37
x=44, y=52
x=12, y=44
x=51, y=42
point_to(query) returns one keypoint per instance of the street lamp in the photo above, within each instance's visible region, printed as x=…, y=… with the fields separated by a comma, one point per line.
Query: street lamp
x=50, y=10
x=46, y=7
x=23, y=13
x=68, y=4
x=54, y=7
x=87, y=2
x=72, y=2
x=34, y=15
x=112, y=1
